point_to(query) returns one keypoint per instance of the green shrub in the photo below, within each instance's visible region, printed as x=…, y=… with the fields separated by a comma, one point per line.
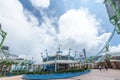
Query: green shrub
x=61, y=71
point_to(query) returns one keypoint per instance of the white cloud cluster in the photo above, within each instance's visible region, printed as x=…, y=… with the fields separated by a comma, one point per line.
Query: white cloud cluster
x=79, y=29
x=25, y=37
x=40, y=3
x=115, y=48
x=99, y=1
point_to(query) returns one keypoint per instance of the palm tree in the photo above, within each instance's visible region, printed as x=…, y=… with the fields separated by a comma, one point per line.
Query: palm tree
x=16, y=63
x=39, y=67
x=4, y=67
x=10, y=65
x=7, y=64
x=21, y=69
x=1, y=66
x=30, y=66
x=22, y=64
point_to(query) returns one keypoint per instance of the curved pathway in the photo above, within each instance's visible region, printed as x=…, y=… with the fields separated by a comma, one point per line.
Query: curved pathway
x=98, y=75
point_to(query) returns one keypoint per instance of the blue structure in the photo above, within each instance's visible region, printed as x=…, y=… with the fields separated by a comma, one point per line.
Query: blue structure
x=58, y=61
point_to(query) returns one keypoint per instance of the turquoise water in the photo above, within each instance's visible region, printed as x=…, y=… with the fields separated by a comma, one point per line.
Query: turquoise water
x=53, y=76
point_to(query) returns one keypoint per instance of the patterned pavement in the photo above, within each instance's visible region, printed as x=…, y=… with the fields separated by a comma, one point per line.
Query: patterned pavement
x=111, y=74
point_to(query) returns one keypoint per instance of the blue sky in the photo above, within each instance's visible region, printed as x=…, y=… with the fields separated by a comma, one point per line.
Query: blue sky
x=61, y=6
x=36, y=25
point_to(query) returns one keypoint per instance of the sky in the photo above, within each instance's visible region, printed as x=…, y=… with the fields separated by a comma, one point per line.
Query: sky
x=33, y=26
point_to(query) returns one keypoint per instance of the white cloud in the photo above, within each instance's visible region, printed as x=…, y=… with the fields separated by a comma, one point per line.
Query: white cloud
x=40, y=3
x=25, y=37
x=115, y=48
x=99, y=1
x=79, y=29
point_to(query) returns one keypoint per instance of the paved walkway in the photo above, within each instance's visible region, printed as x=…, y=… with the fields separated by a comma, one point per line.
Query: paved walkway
x=93, y=75
x=12, y=78
x=98, y=75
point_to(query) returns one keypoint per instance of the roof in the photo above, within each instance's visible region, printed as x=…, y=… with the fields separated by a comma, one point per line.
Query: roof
x=60, y=61
x=58, y=57
x=59, y=54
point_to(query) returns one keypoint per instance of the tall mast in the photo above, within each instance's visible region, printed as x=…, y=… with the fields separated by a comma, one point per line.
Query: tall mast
x=59, y=49
x=47, y=54
x=69, y=54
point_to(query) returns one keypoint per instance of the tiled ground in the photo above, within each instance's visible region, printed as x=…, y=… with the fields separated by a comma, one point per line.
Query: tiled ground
x=98, y=75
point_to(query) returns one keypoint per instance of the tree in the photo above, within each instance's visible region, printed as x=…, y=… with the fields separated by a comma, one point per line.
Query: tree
x=22, y=64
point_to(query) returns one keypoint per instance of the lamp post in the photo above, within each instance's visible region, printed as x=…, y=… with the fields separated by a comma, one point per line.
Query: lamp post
x=113, y=10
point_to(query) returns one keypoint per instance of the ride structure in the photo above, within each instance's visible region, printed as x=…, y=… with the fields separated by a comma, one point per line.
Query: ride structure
x=113, y=10
x=3, y=35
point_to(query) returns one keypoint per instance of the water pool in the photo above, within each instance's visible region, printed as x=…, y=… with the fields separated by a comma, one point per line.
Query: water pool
x=53, y=76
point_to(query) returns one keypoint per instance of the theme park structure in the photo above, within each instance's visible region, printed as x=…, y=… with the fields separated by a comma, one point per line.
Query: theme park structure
x=113, y=10
x=10, y=62
x=111, y=59
x=3, y=35
x=64, y=61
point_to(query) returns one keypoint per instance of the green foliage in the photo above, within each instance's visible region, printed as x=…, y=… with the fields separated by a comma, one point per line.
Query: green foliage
x=18, y=72
x=2, y=75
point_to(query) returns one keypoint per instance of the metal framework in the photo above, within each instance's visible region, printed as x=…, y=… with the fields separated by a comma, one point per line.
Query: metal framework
x=113, y=9
x=3, y=35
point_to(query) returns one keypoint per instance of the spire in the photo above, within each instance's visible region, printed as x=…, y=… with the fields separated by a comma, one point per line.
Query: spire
x=84, y=51
x=46, y=52
x=69, y=50
x=42, y=55
x=75, y=54
x=59, y=49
